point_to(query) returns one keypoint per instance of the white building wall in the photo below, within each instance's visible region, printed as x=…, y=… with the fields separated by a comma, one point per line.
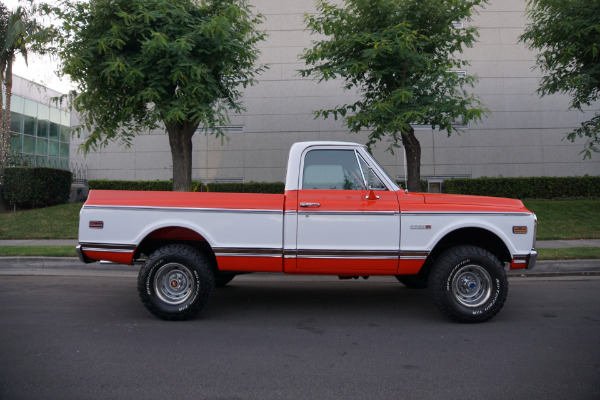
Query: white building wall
x=522, y=137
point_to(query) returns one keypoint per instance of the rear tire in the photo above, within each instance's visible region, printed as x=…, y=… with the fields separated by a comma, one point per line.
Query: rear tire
x=468, y=284
x=175, y=282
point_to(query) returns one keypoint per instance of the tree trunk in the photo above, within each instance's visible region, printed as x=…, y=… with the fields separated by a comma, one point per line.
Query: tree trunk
x=413, y=160
x=180, y=140
x=6, y=119
x=5, y=127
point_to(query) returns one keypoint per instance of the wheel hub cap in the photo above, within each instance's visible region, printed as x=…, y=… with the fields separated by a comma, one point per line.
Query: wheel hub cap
x=173, y=283
x=472, y=286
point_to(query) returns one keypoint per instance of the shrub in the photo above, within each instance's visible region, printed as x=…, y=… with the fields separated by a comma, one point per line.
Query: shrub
x=35, y=187
x=527, y=188
x=106, y=184
x=249, y=187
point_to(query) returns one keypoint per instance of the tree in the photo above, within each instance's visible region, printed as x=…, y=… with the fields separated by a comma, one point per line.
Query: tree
x=140, y=64
x=401, y=57
x=567, y=35
x=14, y=37
x=19, y=34
x=4, y=142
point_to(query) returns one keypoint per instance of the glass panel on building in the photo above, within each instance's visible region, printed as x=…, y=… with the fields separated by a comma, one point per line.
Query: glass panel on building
x=64, y=150
x=16, y=104
x=42, y=127
x=16, y=122
x=54, y=131
x=65, y=133
x=15, y=142
x=53, y=148
x=29, y=125
x=30, y=108
x=28, y=144
x=42, y=146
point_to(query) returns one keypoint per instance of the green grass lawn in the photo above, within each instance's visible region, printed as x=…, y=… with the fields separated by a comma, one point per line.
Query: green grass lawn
x=57, y=222
x=568, y=219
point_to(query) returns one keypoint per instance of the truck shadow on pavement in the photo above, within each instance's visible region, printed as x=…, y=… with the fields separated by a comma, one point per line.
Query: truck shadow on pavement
x=326, y=299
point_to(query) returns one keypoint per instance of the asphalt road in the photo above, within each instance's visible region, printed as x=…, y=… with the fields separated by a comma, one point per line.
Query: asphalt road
x=276, y=337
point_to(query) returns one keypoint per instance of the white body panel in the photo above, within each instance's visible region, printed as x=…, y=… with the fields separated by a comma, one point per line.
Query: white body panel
x=227, y=228
x=415, y=237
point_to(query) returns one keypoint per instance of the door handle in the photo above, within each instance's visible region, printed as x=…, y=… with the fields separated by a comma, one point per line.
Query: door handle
x=310, y=205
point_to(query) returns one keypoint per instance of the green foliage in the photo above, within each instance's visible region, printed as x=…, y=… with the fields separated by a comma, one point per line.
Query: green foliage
x=142, y=64
x=249, y=187
x=527, y=188
x=33, y=187
x=401, y=57
x=106, y=184
x=567, y=35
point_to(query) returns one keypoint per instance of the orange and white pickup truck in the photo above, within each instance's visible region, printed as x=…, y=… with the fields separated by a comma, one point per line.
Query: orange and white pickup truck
x=341, y=215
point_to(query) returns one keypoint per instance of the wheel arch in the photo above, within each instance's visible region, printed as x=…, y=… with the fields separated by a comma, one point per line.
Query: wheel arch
x=163, y=236
x=473, y=236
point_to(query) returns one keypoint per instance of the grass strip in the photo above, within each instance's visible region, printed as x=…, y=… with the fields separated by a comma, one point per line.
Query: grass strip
x=42, y=251
x=573, y=253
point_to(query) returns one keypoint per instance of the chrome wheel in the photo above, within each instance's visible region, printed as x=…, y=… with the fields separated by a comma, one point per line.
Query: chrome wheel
x=174, y=283
x=472, y=286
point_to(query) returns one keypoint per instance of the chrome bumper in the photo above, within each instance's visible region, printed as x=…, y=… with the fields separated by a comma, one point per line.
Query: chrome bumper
x=532, y=259
x=82, y=257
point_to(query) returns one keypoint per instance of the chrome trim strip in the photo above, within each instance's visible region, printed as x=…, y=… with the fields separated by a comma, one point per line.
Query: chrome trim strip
x=322, y=254
x=107, y=250
x=315, y=212
x=184, y=209
x=247, y=252
x=464, y=213
x=348, y=254
x=108, y=246
x=413, y=255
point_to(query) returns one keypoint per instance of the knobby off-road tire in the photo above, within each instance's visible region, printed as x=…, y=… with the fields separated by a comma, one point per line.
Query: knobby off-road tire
x=176, y=282
x=468, y=284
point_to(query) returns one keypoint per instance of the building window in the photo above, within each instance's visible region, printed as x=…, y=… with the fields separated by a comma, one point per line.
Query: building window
x=39, y=133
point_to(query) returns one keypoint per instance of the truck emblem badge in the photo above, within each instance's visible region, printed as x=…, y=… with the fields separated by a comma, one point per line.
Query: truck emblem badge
x=420, y=227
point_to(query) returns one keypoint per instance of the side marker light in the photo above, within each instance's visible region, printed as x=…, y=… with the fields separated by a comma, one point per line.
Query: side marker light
x=519, y=229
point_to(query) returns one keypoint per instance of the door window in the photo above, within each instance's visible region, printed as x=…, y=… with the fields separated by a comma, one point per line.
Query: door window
x=332, y=169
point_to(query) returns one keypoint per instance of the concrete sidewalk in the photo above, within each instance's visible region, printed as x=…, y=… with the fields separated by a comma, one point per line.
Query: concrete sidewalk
x=541, y=244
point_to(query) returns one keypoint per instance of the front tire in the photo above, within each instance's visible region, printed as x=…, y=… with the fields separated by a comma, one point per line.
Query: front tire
x=175, y=282
x=468, y=284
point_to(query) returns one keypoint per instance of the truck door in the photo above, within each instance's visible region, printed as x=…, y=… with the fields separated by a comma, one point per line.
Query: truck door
x=348, y=221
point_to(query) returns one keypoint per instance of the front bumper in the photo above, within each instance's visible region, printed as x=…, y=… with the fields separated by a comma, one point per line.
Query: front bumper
x=524, y=261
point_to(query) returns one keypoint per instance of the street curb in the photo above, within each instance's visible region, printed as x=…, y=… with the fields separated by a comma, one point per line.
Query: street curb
x=542, y=268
